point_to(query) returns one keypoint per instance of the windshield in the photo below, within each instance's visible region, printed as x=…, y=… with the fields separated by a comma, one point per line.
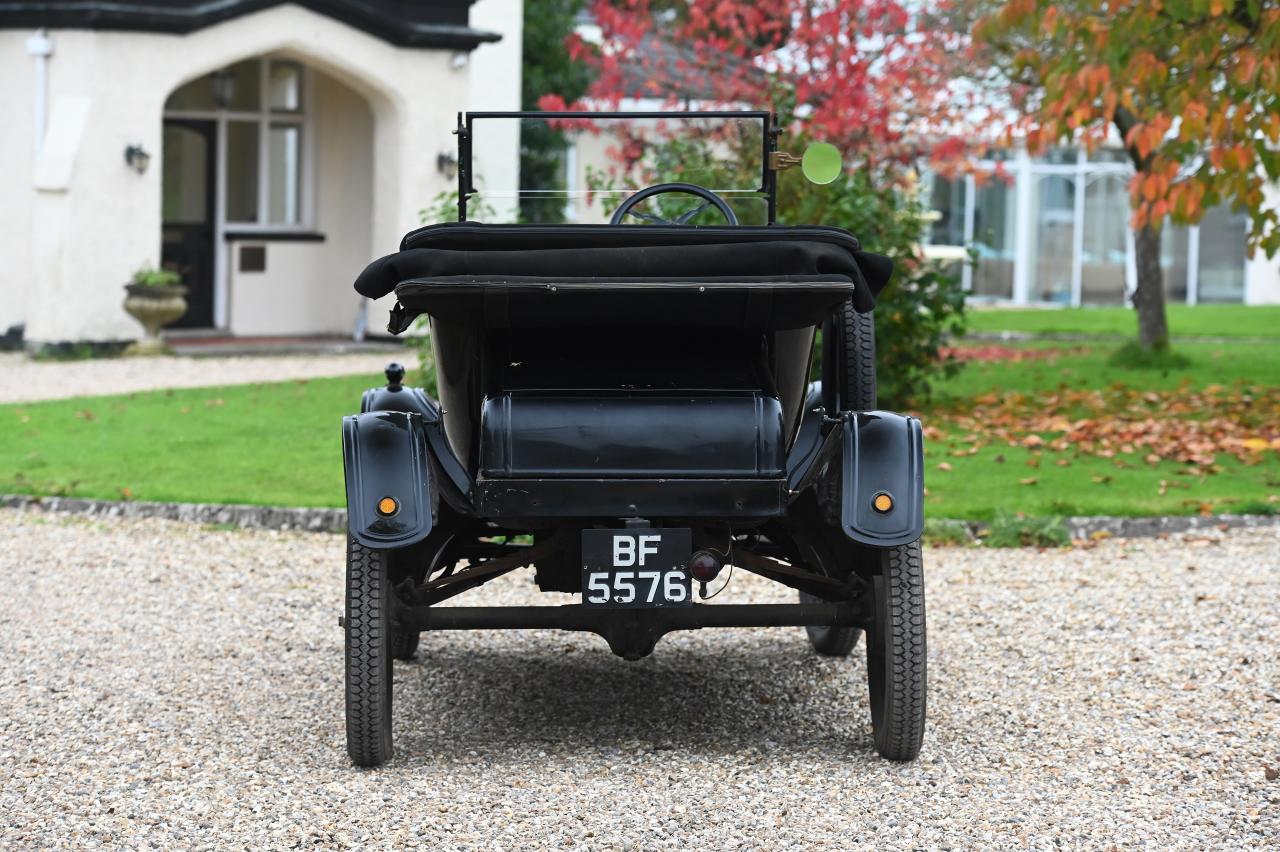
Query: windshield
x=578, y=167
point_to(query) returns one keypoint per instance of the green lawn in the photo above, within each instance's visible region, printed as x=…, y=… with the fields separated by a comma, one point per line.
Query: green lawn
x=279, y=444
x=976, y=486
x=272, y=444
x=998, y=476
x=1184, y=321
x=1086, y=365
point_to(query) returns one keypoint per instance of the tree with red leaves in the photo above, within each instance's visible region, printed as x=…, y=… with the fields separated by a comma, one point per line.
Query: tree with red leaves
x=878, y=78
x=883, y=80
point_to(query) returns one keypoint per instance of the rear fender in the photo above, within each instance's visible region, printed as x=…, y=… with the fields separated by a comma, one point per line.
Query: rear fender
x=883, y=454
x=384, y=454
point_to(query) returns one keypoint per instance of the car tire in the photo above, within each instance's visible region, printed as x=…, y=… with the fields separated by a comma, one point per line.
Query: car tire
x=857, y=392
x=368, y=656
x=404, y=644
x=858, y=352
x=896, y=651
x=830, y=641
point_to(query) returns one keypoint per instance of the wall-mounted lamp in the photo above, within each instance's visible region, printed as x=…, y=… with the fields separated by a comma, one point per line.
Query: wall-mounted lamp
x=222, y=84
x=459, y=60
x=447, y=165
x=137, y=158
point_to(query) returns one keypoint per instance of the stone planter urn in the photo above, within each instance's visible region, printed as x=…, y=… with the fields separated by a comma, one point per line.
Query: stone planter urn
x=154, y=307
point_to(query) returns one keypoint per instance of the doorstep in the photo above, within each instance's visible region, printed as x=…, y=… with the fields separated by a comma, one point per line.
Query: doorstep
x=196, y=343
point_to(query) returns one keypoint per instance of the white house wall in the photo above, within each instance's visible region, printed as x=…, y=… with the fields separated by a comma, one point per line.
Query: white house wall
x=74, y=249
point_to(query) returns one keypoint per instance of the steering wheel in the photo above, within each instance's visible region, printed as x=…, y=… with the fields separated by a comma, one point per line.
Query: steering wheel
x=709, y=199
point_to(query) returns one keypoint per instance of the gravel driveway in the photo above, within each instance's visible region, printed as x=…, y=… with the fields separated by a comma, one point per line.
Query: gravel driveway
x=169, y=686
x=25, y=380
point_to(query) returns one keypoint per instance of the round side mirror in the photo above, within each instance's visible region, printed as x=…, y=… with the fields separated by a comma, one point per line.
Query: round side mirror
x=821, y=162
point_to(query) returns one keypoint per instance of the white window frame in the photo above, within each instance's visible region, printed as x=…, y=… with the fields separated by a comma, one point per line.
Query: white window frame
x=265, y=118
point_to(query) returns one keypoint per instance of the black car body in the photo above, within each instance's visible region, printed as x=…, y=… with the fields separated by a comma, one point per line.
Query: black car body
x=627, y=409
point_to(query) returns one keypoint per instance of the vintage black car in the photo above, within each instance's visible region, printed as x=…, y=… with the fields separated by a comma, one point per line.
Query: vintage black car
x=627, y=408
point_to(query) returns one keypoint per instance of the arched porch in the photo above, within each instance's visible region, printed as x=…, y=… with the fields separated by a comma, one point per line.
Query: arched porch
x=267, y=196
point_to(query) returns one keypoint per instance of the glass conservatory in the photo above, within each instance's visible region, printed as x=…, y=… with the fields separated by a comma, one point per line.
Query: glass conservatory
x=1055, y=230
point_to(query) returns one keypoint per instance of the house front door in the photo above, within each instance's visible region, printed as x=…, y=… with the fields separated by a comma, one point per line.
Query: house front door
x=189, y=212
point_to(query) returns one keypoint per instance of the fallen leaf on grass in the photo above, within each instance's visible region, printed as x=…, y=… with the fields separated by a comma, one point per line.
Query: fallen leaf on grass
x=944, y=466
x=1102, y=480
x=992, y=353
x=1184, y=425
x=1031, y=480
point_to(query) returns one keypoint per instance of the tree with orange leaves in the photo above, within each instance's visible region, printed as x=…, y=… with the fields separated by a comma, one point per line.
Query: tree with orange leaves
x=1192, y=87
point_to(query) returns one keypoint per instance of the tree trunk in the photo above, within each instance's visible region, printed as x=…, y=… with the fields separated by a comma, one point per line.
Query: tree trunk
x=1148, y=298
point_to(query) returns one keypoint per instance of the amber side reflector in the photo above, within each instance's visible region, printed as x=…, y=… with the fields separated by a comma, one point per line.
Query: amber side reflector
x=387, y=506
x=882, y=503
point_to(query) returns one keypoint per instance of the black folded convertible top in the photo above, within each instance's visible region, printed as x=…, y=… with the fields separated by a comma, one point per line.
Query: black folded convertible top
x=604, y=253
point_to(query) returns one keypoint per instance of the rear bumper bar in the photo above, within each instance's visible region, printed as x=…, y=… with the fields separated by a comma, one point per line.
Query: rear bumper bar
x=631, y=633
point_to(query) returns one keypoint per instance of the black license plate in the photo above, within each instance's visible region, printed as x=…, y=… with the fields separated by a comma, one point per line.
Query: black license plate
x=631, y=568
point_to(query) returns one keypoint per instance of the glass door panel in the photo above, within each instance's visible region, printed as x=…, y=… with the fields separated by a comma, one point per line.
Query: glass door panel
x=994, y=236
x=1222, y=256
x=947, y=203
x=284, y=165
x=242, y=171
x=1052, y=243
x=1106, y=225
x=187, y=213
x=1173, y=262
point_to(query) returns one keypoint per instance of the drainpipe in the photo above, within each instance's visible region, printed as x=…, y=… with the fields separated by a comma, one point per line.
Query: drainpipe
x=41, y=47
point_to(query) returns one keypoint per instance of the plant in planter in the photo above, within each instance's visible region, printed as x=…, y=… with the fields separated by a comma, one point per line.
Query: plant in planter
x=155, y=298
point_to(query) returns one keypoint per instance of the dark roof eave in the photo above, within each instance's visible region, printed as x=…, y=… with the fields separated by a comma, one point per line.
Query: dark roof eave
x=180, y=20
x=440, y=35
